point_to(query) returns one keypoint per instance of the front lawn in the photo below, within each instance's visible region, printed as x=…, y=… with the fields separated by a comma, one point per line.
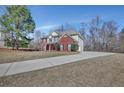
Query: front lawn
x=7, y=55
x=101, y=71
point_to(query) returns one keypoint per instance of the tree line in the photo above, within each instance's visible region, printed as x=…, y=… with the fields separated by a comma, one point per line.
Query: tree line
x=102, y=35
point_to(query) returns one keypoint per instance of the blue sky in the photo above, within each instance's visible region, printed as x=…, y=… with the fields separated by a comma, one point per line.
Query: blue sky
x=47, y=17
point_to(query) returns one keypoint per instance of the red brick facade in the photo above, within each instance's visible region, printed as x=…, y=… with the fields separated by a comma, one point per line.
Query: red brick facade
x=65, y=41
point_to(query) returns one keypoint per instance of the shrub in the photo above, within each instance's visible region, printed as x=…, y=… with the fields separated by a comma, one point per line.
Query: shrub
x=74, y=47
x=57, y=46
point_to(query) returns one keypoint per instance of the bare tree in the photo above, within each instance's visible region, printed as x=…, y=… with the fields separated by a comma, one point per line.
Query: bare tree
x=121, y=40
x=37, y=39
x=84, y=33
x=83, y=29
x=64, y=27
x=112, y=35
x=59, y=28
x=68, y=27
x=95, y=28
x=102, y=36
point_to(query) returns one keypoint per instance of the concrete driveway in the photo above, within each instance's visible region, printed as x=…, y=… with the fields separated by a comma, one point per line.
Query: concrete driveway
x=31, y=65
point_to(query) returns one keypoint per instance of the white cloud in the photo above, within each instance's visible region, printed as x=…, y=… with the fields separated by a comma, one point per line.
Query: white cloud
x=47, y=27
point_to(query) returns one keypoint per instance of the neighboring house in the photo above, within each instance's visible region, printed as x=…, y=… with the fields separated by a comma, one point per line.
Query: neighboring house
x=63, y=39
x=1, y=40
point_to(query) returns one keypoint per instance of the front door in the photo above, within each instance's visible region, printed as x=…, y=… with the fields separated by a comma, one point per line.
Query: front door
x=65, y=47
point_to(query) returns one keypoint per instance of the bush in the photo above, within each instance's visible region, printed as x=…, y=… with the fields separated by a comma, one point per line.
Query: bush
x=74, y=47
x=23, y=44
x=7, y=43
x=57, y=46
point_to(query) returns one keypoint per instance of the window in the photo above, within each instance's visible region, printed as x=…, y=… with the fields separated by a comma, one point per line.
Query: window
x=61, y=47
x=69, y=47
x=55, y=39
x=50, y=40
x=65, y=36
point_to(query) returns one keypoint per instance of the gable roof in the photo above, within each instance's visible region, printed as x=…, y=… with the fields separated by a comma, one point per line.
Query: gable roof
x=67, y=36
x=70, y=32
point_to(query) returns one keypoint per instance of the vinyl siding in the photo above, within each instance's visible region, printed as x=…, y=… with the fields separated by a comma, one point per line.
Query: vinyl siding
x=75, y=37
x=80, y=43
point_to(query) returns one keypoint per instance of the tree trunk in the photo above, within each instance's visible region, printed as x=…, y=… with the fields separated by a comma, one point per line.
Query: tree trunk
x=13, y=41
x=13, y=44
x=17, y=43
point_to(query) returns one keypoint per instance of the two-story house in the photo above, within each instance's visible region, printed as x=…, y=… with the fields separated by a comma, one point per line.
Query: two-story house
x=63, y=39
